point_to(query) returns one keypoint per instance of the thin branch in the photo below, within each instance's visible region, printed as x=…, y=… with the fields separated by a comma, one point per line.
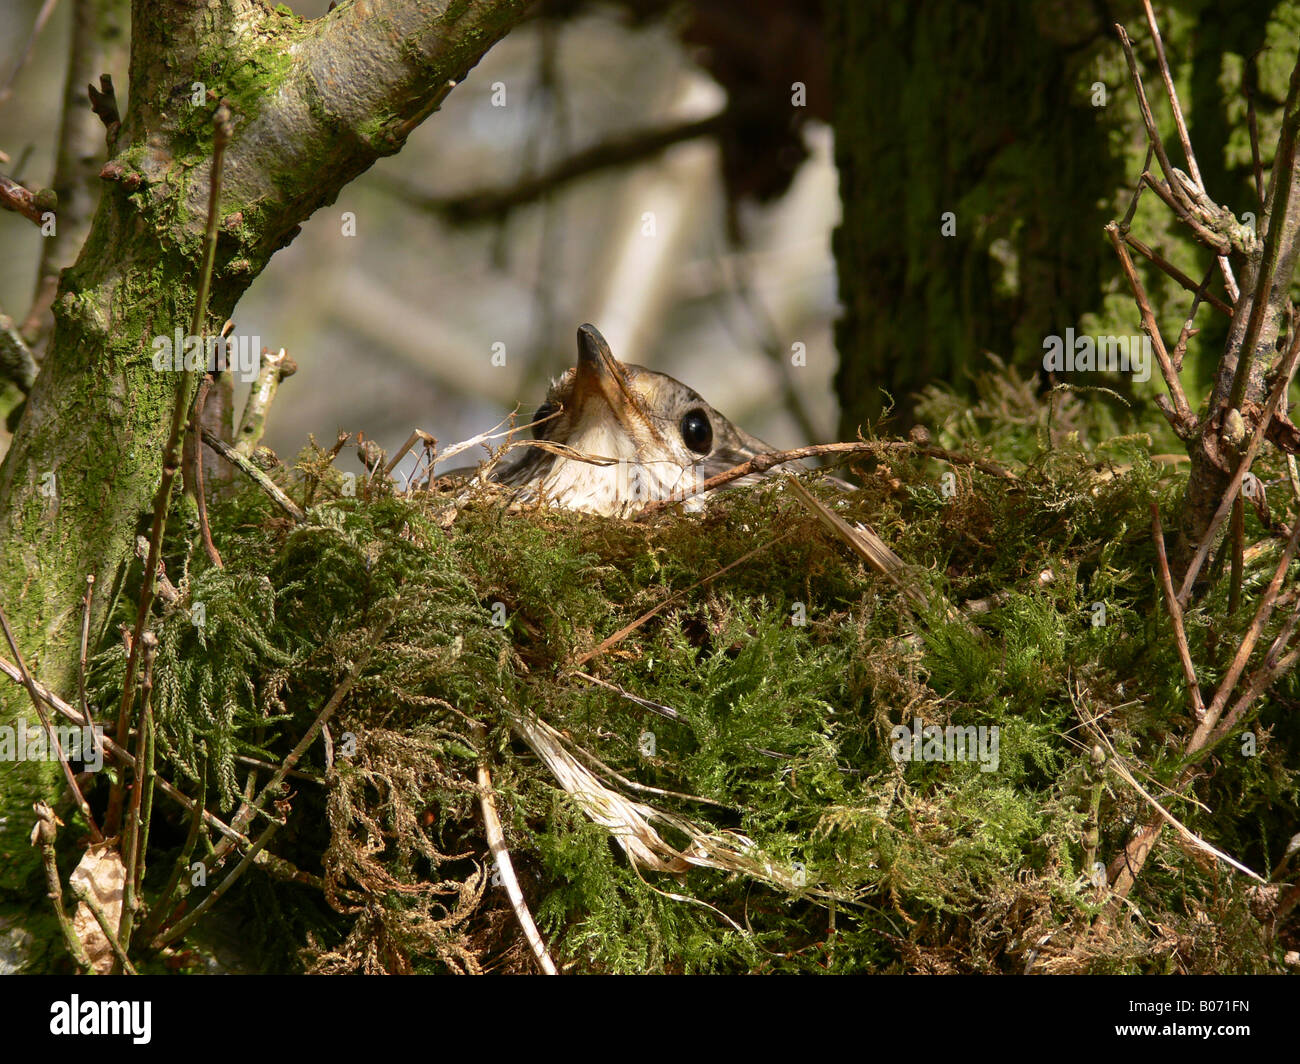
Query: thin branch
x=162, y=908
x=119, y=754
x=85, y=646
x=1263, y=612
x=469, y=207
x=43, y=835
x=1285, y=373
x=1183, y=420
x=1228, y=280
x=221, y=130
x=1148, y=119
x=1173, y=271
x=31, y=205
x=501, y=856
x=252, y=423
x=200, y=494
x=86, y=896
x=103, y=104
x=44, y=717
x=272, y=786
x=256, y=475
x=1176, y=616
x=135, y=832
x=199, y=911
x=1216, y=242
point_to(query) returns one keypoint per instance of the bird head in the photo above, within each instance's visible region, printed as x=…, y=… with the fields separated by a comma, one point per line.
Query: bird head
x=635, y=436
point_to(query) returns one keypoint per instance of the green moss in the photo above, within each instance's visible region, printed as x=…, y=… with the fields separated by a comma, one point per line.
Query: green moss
x=780, y=731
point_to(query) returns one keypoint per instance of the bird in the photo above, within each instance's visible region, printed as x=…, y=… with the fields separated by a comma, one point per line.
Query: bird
x=612, y=437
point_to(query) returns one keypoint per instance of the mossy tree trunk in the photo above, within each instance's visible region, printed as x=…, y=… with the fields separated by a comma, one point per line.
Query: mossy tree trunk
x=1021, y=121
x=315, y=103
x=972, y=174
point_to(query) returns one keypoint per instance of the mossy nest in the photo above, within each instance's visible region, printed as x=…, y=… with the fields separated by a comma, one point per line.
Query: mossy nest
x=752, y=713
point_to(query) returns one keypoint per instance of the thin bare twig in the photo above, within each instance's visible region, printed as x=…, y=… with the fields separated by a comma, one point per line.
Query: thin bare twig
x=496, y=840
x=1263, y=613
x=82, y=892
x=179, y=928
x=200, y=494
x=22, y=200
x=1229, y=281
x=1180, y=417
x=1176, y=616
x=256, y=475
x=1173, y=271
x=1285, y=373
x=1277, y=231
x=85, y=647
x=118, y=753
x=43, y=835
x=30, y=684
x=221, y=126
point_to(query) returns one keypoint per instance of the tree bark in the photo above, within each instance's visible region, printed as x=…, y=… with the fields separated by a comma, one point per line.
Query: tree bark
x=315, y=103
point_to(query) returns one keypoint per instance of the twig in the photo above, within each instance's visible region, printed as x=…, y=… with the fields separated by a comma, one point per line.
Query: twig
x=272, y=786
x=1228, y=280
x=1148, y=119
x=120, y=755
x=1236, y=547
x=1280, y=201
x=199, y=911
x=103, y=103
x=1176, y=616
x=16, y=197
x=1285, y=373
x=171, y=455
x=85, y=645
x=501, y=856
x=1263, y=613
x=1173, y=271
x=200, y=494
x=1187, y=331
x=1182, y=829
x=487, y=203
x=1250, y=81
x=137, y=834
x=252, y=423
x=1216, y=242
x=44, y=833
x=86, y=896
x=1182, y=418
x=1260, y=681
x=261, y=479
x=30, y=684
x=162, y=908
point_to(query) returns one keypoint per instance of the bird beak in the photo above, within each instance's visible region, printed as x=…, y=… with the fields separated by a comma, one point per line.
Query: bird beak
x=600, y=378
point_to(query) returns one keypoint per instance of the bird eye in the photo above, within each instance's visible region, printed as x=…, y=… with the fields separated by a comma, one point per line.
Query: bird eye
x=697, y=433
